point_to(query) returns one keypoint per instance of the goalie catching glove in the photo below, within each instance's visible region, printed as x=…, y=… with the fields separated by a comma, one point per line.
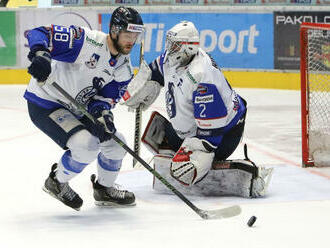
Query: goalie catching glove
x=192, y=161
x=141, y=90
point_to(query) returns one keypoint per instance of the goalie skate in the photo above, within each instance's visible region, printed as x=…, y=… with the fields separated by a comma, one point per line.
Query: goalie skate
x=62, y=191
x=111, y=196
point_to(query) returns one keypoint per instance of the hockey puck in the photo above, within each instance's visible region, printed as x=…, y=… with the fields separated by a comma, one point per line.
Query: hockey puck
x=251, y=221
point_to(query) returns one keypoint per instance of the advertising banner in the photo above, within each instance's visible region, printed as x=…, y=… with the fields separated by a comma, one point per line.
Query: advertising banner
x=186, y=2
x=286, y=36
x=7, y=38
x=32, y=19
x=234, y=40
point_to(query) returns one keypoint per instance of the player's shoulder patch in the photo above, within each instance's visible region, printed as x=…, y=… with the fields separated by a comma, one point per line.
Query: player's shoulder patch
x=95, y=38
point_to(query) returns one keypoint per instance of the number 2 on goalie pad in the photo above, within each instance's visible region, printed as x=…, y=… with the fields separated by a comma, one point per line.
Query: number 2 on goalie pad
x=154, y=132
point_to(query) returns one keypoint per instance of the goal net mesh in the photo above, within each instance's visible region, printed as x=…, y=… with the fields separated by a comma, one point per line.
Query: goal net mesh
x=317, y=49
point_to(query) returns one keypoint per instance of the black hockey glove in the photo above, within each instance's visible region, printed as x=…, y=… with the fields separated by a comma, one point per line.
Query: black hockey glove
x=40, y=67
x=103, y=126
x=98, y=130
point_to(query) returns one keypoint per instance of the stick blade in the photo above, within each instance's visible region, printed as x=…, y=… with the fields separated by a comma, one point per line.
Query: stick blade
x=221, y=213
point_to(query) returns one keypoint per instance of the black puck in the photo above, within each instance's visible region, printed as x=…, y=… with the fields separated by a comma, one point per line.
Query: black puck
x=251, y=221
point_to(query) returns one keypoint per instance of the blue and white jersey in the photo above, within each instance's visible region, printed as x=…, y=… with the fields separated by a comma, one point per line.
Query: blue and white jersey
x=81, y=65
x=199, y=100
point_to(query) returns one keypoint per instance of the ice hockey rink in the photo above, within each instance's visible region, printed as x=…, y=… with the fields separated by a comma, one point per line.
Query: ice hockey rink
x=295, y=213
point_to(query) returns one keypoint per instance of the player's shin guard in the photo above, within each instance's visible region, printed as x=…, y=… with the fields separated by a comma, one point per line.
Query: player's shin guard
x=68, y=168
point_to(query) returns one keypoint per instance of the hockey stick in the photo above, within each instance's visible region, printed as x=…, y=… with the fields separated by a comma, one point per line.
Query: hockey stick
x=205, y=214
x=138, y=116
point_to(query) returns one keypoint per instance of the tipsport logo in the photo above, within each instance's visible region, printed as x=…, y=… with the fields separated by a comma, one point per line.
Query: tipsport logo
x=226, y=41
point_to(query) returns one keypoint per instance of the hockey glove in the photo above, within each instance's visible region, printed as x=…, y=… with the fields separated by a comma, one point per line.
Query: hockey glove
x=193, y=161
x=40, y=67
x=103, y=127
x=141, y=90
x=96, y=106
x=107, y=120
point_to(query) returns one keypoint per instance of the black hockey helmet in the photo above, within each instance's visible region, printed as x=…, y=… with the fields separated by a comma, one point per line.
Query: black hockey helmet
x=122, y=17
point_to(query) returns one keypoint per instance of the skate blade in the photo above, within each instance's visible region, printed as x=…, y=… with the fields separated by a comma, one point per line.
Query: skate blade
x=113, y=204
x=51, y=194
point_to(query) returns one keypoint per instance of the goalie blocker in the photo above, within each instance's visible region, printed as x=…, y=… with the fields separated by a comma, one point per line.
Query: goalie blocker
x=239, y=177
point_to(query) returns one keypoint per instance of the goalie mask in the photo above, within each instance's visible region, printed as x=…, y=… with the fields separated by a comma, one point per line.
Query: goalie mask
x=182, y=43
x=129, y=22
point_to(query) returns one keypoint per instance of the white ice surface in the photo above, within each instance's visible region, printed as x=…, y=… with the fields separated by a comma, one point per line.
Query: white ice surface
x=296, y=212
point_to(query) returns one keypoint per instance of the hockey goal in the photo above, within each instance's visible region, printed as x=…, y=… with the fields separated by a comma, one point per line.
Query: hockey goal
x=315, y=93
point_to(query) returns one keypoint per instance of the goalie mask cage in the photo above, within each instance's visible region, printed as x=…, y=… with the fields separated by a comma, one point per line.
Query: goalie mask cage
x=315, y=93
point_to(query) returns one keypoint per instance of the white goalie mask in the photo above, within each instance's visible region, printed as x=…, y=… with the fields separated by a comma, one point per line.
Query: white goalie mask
x=182, y=42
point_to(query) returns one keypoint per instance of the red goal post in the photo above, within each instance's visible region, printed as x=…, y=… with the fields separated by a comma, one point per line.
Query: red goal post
x=315, y=93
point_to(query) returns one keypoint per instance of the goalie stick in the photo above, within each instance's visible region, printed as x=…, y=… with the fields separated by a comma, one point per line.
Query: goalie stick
x=205, y=214
x=138, y=116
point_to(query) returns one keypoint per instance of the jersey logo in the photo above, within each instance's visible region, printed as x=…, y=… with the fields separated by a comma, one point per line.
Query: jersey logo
x=112, y=62
x=93, y=42
x=201, y=89
x=202, y=124
x=191, y=77
x=204, y=99
x=203, y=132
x=85, y=94
x=91, y=64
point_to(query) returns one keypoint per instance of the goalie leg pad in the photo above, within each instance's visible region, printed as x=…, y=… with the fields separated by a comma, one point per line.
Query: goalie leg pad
x=162, y=165
x=228, y=178
x=261, y=183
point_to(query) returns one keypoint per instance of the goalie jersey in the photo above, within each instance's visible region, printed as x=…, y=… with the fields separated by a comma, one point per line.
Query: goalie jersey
x=199, y=100
x=82, y=65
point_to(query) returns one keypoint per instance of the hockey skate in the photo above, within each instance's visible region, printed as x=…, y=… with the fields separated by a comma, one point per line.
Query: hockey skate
x=62, y=191
x=111, y=196
x=260, y=184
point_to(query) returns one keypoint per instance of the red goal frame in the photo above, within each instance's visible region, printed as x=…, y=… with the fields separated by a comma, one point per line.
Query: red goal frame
x=306, y=157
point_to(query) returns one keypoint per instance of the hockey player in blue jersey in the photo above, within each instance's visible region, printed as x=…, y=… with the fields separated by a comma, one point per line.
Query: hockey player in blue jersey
x=206, y=116
x=95, y=69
